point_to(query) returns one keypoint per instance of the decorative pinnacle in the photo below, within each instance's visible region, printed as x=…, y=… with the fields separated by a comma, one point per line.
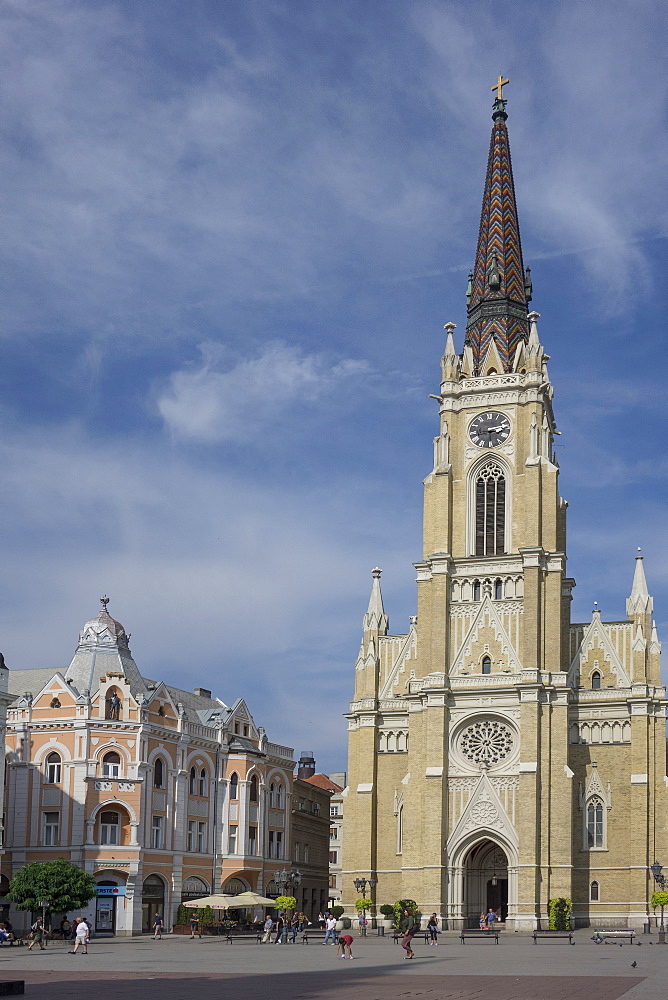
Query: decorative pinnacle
x=498, y=87
x=104, y=601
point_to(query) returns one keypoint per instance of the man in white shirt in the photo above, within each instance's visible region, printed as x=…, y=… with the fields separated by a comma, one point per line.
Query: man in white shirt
x=330, y=931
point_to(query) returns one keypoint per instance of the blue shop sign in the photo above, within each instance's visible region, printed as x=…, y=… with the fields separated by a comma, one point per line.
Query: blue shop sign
x=110, y=890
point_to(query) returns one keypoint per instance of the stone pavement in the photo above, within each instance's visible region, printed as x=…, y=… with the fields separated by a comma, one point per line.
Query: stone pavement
x=179, y=969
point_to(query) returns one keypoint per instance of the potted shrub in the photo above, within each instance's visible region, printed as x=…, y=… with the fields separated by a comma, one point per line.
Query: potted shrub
x=337, y=911
x=387, y=911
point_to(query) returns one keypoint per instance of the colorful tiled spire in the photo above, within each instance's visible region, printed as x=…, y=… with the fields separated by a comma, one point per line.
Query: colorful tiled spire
x=499, y=288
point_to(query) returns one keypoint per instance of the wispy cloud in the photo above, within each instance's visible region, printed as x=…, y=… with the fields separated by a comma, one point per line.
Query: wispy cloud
x=249, y=395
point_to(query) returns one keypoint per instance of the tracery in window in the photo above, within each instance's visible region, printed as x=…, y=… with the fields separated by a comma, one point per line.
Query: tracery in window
x=595, y=819
x=490, y=511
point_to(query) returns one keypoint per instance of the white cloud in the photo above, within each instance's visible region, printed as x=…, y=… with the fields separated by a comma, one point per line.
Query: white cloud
x=252, y=394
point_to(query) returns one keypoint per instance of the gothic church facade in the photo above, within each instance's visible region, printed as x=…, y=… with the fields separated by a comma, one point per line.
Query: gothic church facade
x=500, y=755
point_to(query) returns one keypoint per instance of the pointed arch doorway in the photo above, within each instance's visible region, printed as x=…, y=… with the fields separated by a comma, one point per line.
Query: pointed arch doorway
x=486, y=881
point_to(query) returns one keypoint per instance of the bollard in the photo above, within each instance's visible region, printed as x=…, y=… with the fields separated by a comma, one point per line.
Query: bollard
x=381, y=931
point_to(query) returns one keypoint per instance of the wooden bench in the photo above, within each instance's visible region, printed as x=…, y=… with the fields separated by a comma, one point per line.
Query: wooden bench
x=12, y=987
x=477, y=934
x=398, y=935
x=546, y=935
x=253, y=936
x=613, y=935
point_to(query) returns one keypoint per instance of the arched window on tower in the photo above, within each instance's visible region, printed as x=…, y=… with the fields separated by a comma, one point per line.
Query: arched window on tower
x=490, y=511
x=159, y=773
x=476, y=590
x=486, y=665
x=498, y=590
x=595, y=680
x=595, y=819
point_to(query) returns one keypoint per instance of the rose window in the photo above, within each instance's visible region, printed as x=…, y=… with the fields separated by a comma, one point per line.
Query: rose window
x=486, y=742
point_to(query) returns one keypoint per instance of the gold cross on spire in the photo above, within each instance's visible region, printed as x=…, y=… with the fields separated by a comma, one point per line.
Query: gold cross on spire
x=498, y=87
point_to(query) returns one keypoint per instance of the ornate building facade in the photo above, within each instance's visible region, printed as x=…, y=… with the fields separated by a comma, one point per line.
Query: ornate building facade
x=163, y=795
x=500, y=755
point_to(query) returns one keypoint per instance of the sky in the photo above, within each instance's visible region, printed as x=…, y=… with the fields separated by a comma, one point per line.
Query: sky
x=232, y=235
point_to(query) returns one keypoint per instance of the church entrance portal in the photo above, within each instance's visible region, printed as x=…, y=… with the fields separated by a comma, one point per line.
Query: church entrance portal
x=486, y=882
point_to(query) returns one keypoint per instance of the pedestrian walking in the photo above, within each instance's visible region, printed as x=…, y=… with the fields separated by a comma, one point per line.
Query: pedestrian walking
x=491, y=917
x=330, y=931
x=37, y=933
x=344, y=948
x=321, y=921
x=278, y=926
x=294, y=927
x=157, y=927
x=195, y=930
x=482, y=922
x=268, y=924
x=82, y=937
x=408, y=927
x=432, y=927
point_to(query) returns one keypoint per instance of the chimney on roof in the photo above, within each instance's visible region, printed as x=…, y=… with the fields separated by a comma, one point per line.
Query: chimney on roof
x=202, y=692
x=306, y=764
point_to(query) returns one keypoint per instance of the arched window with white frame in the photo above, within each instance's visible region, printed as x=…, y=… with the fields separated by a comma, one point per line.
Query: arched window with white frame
x=111, y=765
x=52, y=768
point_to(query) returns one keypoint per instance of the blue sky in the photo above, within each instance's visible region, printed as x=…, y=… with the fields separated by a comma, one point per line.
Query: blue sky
x=232, y=235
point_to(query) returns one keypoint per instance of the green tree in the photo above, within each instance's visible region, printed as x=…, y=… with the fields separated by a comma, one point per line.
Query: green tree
x=286, y=903
x=62, y=885
x=206, y=916
x=183, y=914
x=362, y=904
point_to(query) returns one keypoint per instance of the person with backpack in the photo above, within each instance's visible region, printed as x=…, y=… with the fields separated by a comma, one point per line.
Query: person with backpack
x=37, y=933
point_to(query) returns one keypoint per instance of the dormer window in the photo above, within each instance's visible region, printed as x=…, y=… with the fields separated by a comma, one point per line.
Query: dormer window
x=111, y=765
x=486, y=665
x=595, y=681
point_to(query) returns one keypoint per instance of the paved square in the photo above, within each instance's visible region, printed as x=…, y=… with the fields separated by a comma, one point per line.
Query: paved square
x=180, y=969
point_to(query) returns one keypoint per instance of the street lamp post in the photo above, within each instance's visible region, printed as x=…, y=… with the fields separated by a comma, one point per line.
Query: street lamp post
x=360, y=885
x=44, y=904
x=661, y=882
x=286, y=880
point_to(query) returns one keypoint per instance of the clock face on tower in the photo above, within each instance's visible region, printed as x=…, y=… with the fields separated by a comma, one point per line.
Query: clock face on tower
x=489, y=429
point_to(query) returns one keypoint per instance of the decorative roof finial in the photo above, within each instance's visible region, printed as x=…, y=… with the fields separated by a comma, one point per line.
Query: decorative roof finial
x=498, y=87
x=375, y=572
x=104, y=601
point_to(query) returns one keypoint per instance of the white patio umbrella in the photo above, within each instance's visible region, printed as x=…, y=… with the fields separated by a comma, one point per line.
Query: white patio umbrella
x=251, y=899
x=216, y=902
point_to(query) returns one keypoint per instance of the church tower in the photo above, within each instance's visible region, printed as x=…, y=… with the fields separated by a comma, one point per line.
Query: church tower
x=471, y=783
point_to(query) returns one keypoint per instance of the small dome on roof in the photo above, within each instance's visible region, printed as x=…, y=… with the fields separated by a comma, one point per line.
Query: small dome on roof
x=103, y=630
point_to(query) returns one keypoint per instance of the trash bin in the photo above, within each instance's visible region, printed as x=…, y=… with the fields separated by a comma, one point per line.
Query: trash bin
x=346, y=923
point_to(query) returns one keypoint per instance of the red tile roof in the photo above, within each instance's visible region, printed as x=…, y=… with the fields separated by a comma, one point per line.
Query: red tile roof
x=322, y=781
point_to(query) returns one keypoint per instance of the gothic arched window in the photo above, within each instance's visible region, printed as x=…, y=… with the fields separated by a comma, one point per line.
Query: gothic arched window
x=490, y=511
x=595, y=830
x=476, y=590
x=159, y=773
x=253, y=796
x=201, y=783
x=595, y=680
x=234, y=786
x=498, y=590
x=593, y=892
x=192, y=784
x=486, y=665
